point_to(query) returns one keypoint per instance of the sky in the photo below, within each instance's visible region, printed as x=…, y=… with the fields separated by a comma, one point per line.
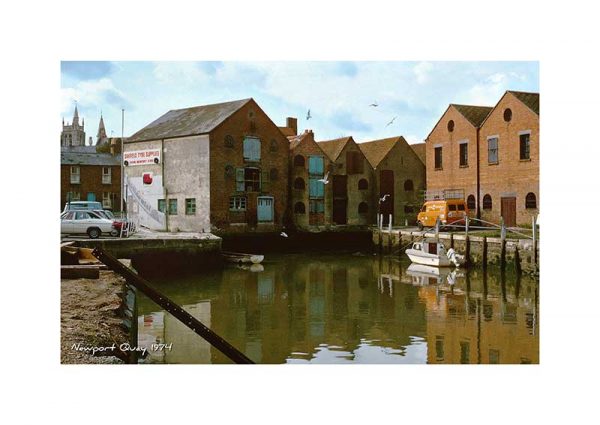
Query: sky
x=410, y=96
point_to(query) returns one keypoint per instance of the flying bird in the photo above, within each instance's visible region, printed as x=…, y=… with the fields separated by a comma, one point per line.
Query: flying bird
x=384, y=197
x=391, y=122
x=283, y=234
x=324, y=179
x=308, y=115
x=375, y=105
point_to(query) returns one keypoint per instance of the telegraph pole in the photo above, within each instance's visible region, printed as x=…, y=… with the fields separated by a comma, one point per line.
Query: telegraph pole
x=122, y=167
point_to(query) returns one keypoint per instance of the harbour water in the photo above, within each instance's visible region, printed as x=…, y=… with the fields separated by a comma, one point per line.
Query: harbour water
x=347, y=308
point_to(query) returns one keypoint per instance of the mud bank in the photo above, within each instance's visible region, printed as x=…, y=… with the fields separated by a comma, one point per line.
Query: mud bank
x=93, y=314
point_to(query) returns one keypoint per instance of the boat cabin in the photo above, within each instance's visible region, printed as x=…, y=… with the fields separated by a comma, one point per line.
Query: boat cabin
x=430, y=246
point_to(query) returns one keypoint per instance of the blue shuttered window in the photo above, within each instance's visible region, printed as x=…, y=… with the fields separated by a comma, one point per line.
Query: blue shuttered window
x=316, y=189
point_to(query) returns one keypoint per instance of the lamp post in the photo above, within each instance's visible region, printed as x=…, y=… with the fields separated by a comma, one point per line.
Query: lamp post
x=122, y=167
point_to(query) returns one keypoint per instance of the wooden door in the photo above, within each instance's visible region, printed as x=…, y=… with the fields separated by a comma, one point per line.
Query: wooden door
x=508, y=210
x=340, y=199
x=386, y=187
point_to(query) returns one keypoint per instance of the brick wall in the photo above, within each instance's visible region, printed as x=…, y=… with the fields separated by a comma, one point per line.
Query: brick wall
x=452, y=175
x=250, y=120
x=90, y=182
x=511, y=176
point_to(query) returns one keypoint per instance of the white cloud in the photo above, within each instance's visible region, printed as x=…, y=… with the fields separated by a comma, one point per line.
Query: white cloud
x=489, y=91
x=90, y=94
x=422, y=71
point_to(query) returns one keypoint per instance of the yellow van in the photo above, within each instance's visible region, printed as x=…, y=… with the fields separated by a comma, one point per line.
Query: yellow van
x=449, y=211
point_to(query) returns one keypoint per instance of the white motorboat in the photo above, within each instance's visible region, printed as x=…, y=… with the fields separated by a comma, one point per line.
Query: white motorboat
x=431, y=252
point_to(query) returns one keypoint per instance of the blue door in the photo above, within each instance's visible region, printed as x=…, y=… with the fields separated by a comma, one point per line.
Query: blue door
x=91, y=196
x=264, y=209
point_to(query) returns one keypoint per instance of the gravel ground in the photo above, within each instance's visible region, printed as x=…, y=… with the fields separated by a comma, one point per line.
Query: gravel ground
x=90, y=318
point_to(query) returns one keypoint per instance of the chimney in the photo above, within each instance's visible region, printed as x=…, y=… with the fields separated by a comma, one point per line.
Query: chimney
x=292, y=123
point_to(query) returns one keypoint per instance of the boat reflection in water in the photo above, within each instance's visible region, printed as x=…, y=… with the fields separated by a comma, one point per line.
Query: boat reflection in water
x=344, y=309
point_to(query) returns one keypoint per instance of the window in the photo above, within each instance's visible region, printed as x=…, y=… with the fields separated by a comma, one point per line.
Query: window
x=298, y=161
x=106, y=175
x=363, y=184
x=299, y=208
x=451, y=126
x=408, y=186
x=172, y=206
x=438, y=158
x=75, y=173
x=487, y=202
x=247, y=179
x=507, y=115
x=229, y=170
x=465, y=348
x=237, y=203
x=274, y=174
x=492, y=150
x=451, y=207
x=73, y=196
x=252, y=149
x=530, y=201
x=81, y=215
x=363, y=208
x=316, y=188
x=316, y=206
x=273, y=146
x=299, y=183
x=162, y=205
x=471, y=202
x=494, y=356
x=315, y=166
x=190, y=206
x=354, y=162
x=229, y=142
x=461, y=207
x=106, y=199
x=524, y=146
x=464, y=154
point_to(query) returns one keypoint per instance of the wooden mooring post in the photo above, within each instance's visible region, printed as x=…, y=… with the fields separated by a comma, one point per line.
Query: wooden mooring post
x=502, y=244
x=467, y=243
x=534, y=236
x=183, y=316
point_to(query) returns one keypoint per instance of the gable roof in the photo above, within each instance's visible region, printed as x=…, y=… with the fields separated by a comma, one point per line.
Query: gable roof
x=419, y=149
x=474, y=114
x=287, y=132
x=333, y=148
x=188, y=121
x=85, y=158
x=531, y=100
x=376, y=150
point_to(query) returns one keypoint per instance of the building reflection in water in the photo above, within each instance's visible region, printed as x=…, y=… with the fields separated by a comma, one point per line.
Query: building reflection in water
x=349, y=308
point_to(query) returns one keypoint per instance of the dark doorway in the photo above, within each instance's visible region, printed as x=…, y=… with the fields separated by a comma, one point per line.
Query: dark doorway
x=340, y=199
x=386, y=187
x=508, y=210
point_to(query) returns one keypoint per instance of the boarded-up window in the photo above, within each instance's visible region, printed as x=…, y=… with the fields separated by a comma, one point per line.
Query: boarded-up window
x=315, y=165
x=409, y=186
x=530, y=201
x=487, y=202
x=316, y=188
x=317, y=206
x=363, y=208
x=438, y=157
x=363, y=184
x=299, y=183
x=471, y=202
x=298, y=161
x=251, y=149
x=299, y=208
x=354, y=162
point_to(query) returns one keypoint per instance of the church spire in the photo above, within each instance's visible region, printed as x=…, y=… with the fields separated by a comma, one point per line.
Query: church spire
x=76, y=116
x=101, y=136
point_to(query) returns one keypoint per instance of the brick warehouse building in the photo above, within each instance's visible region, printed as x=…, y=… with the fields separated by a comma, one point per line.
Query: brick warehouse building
x=351, y=180
x=310, y=199
x=452, y=152
x=221, y=166
x=509, y=159
x=90, y=176
x=399, y=173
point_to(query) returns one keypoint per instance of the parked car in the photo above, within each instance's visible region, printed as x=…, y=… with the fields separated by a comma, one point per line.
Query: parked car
x=118, y=223
x=86, y=222
x=448, y=211
x=82, y=205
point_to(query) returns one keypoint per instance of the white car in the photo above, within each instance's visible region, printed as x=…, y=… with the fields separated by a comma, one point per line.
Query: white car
x=86, y=222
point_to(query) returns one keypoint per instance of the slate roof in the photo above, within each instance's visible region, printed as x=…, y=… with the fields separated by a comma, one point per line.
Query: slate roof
x=188, y=121
x=79, y=149
x=333, y=148
x=419, y=149
x=84, y=158
x=532, y=100
x=474, y=114
x=287, y=132
x=376, y=150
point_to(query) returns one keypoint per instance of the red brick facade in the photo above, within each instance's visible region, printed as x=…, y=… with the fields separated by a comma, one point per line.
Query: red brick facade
x=91, y=184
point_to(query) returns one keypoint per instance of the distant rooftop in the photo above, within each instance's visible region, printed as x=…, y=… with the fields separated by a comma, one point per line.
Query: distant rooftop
x=68, y=157
x=334, y=147
x=376, y=150
x=532, y=100
x=474, y=114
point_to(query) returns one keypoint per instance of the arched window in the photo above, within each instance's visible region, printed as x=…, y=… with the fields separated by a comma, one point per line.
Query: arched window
x=298, y=161
x=408, y=186
x=530, y=201
x=229, y=141
x=229, y=170
x=299, y=183
x=487, y=202
x=363, y=184
x=299, y=208
x=471, y=202
x=507, y=115
x=363, y=208
x=273, y=146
